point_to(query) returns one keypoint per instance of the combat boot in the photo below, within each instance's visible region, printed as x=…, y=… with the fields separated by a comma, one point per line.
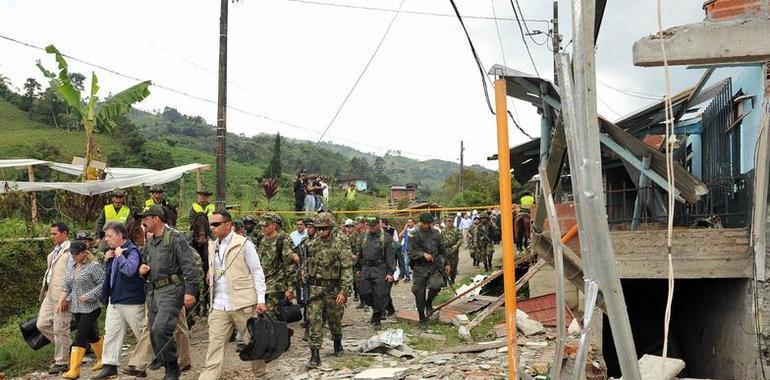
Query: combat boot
x=315, y=358
x=338, y=345
x=172, y=370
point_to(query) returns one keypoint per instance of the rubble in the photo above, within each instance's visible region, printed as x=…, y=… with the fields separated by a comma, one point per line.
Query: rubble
x=382, y=374
x=652, y=367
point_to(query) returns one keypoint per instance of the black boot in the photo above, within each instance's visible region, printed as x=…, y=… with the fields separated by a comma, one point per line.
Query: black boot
x=432, y=293
x=315, y=358
x=107, y=372
x=338, y=345
x=172, y=370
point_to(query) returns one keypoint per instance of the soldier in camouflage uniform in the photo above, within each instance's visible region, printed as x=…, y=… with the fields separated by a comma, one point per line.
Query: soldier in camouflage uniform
x=482, y=241
x=452, y=241
x=471, y=243
x=427, y=253
x=277, y=259
x=330, y=275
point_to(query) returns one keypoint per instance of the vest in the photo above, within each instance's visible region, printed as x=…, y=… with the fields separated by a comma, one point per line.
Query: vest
x=148, y=203
x=110, y=215
x=209, y=209
x=527, y=201
x=240, y=284
x=58, y=273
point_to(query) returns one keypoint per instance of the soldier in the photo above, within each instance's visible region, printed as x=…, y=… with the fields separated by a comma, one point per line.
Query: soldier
x=426, y=250
x=116, y=211
x=249, y=226
x=237, y=290
x=358, y=231
x=173, y=277
x=377, y=263
x=471, y=243
x=452, y=241
x=156, y=197
x=329, y=273
x=202, y=205
x=277, y=258
x=482, y=240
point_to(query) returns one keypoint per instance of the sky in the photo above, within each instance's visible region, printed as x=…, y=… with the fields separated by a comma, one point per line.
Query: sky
x=292, y=63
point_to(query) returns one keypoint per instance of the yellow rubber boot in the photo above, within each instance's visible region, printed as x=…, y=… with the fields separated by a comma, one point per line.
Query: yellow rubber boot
x=98, y=348
x=76, y=360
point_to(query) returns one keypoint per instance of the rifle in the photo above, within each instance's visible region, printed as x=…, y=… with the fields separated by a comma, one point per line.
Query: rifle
x=436, y=266
x=305, y=290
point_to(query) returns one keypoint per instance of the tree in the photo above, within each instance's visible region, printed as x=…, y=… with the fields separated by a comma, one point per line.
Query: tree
x=379, y=171
x=78, y=80
x=273, y=169
x=93, y=117
x=31, y=88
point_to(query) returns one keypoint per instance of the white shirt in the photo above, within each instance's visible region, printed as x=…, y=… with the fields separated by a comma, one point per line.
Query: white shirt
x=221, y=296
x=466, y=223
x=297, y=237
x=59, y=250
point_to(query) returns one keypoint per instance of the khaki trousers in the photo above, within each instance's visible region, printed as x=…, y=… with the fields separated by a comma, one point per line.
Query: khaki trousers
x=221, y=327
x=118, y=316
x=56, y=327
x=143, y=353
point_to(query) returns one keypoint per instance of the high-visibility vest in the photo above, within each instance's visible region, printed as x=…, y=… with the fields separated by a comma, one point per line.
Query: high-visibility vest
x=527, y=201
x=110, y=215
x=148, y=203
x=209, y=209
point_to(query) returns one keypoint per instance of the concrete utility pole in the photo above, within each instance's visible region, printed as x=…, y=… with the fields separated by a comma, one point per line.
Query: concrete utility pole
x=462, y=151
x=556, y=39
x=221, y=151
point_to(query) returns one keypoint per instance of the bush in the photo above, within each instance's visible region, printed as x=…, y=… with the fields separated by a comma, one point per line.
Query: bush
x=22, y=264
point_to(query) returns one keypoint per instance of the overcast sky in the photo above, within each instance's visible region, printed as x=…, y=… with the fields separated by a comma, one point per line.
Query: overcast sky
x=295, y=62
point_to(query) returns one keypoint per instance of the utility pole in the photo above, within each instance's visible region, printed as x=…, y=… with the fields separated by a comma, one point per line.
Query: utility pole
x=221, y=151
x=556, y=39
x=462, y=151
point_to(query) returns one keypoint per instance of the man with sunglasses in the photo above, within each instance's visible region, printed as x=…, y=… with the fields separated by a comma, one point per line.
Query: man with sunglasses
x=330, y=274
x=237, y=290
x=426, y=250
x=173, y=276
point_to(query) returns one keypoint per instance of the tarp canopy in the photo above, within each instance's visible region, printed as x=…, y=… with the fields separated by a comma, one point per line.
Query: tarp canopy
x=117, y=178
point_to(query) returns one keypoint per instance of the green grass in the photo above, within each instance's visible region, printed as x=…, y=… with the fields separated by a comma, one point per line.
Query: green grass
x=447, y=293
x=16, y=357
x=423, y=343
x=353, y=361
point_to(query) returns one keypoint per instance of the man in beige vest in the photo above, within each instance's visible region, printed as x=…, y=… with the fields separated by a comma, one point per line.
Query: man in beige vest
x=237, y=290
x=52, y=324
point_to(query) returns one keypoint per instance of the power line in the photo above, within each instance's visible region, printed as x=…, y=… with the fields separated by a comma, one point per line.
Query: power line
x=206, y=100
x=523, y=38
x=422, y=13
x=475, y=56
x=361, y=75
x=635, y=94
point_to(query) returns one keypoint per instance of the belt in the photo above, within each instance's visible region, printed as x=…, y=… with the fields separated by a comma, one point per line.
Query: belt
x=324, y=283
x=371, y=263
x=165, y=281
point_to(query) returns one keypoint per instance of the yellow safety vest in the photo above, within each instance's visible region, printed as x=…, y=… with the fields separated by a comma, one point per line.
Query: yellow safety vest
x=209, y=209
x=110, y=215
x=148, y=203
x=527, y=201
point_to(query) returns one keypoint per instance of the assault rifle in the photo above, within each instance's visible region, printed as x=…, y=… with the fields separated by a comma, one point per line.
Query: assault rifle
x=436, y=266
x=305, y=289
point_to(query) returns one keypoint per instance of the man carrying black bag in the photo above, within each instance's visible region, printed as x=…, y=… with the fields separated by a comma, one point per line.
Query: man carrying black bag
x=237, y=290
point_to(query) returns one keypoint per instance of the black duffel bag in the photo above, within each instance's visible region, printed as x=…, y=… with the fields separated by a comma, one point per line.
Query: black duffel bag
x=32, y=335
x=289, y=312
x=269, y=339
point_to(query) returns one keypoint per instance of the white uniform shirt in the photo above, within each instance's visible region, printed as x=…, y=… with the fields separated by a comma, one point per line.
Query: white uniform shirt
x=221, y=295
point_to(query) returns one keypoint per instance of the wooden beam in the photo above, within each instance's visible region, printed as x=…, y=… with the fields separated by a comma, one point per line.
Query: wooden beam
x=472, y=288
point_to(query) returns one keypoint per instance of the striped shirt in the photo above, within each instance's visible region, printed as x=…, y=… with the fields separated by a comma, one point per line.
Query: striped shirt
x=84, y=279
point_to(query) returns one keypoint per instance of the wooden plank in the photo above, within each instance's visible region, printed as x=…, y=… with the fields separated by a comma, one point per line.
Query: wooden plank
x=476, y=347
x=467, y=291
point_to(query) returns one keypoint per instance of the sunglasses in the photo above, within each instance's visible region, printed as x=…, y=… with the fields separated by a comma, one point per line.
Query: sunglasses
x=217, y=224
x=323, y=228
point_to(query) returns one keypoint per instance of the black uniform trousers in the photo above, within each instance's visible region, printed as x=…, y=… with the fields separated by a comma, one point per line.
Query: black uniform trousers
x=373, y=288
x=163, y=307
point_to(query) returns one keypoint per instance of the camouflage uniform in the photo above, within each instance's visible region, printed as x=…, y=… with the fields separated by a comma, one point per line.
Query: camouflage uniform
x=329, y=271
x=482, y=241
x=472, y=244
x=452, y=241
x=278, y=267
x=424, y=273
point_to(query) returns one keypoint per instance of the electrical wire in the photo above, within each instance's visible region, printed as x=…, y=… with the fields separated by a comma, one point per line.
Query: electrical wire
x=523, y=38
x=635, y=94
x=422, y=13
x=524, y=21
x=361, y=75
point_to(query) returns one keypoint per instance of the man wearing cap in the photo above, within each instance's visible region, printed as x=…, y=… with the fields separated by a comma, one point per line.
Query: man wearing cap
x=329, y=273
x=237, y=291
x=482, y=240
x=249, y=226
x=116, y=211
x=426, y=249
x=52, y=323
x=85, y=237
x=472, y=240
x=377, y=264
x=277, y=258
x=452, y=241
x=202, y=205
x=156, y=197
x=173, y=279
x=359, y=230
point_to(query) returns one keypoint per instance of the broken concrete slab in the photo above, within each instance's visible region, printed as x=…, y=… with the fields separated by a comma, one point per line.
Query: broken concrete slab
x=438, y=359
x=460, y=320
x=382, y=374
x=652, y=367
x=527, y=325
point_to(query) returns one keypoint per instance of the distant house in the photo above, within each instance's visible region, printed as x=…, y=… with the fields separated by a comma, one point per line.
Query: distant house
x=398, y=193
x=344, y=183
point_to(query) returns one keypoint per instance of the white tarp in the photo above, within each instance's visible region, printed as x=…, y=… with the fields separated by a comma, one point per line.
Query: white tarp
x=111, y=173
x=137, y=177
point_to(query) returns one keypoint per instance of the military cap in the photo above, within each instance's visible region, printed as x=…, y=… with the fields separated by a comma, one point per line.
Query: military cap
x=118, y=193
x=310, y=222
x=360, y=219
x=426, y=218
x=238, y=223
x=204, y=192
x=249, y=219
x=449, y=217
x=484, y=214
x=83, y=235
x=77, y=246
x=279, y=219
x=372, y=220
x=325, y=219
x=154, y=210
x=268, y=217
x=156, y=189
x=349, y=222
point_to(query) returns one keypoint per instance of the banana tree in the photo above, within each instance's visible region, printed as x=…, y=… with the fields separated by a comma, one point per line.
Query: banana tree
x=95, y=117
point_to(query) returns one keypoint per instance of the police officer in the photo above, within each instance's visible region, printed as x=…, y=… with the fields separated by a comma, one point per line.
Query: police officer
x=377, y=264
x=452, y=241
x=426, y=250
x=117, y=211
x=329, y=273
x=173, y=277
x=156, y=197
x=202, y=205
x=482, y=240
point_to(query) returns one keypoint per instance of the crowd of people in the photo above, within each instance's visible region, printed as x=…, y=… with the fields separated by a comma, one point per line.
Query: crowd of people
x=153, y=279
x=311, y=193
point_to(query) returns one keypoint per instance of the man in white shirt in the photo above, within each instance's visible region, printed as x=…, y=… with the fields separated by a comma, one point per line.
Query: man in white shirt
x=237, y=290
x=465, y=224
x=298, y=234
